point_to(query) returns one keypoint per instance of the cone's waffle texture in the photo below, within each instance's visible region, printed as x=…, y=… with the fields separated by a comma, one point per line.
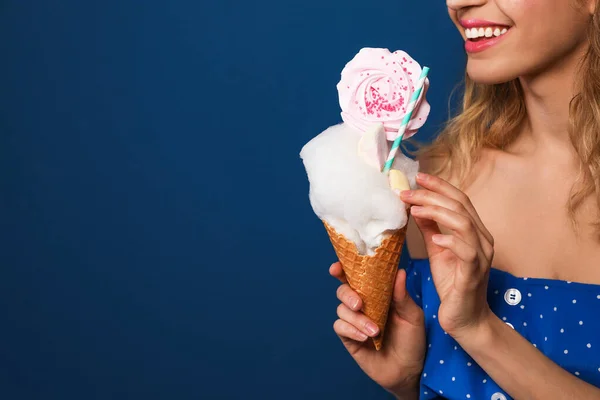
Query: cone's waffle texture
x=372, y=277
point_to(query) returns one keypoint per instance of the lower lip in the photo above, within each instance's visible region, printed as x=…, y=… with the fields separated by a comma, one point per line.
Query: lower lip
x=477, y=47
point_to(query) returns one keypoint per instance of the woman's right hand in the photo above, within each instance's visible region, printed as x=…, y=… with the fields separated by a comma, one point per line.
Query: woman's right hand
x=398, y=365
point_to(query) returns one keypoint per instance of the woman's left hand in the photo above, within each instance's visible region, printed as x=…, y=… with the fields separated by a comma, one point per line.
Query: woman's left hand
x=461, y=261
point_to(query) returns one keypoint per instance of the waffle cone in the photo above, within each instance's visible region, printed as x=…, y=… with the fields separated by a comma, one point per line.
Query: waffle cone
x=372, y=277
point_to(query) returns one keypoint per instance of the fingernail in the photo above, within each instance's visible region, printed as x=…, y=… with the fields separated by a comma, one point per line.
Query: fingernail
x=372, y=328
x=416, y=209
x=354, y=303
x=438, y=239
x=406, y=193
x=421, y=176
x=361, y=336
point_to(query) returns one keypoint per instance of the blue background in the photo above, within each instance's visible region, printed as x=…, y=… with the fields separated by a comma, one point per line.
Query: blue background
x=157, y=240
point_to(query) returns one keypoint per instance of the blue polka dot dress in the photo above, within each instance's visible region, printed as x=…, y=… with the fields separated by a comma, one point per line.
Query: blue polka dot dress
x=557, y=317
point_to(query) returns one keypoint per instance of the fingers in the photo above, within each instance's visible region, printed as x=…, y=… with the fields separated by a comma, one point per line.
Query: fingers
x=354, y=328
x=427, y=218
x=430, y=198
x=465, y=244
x=353, y=324
x=337, y=272
x=469, y=244
x=441, y=193
x=445, y=188
x=456, y=222
x=470, y=255
x=403, y=304
x=348, y=312
x=344, y=293
x=347, y=331
x=349, y=297
x=428, y=228
x=358, y=320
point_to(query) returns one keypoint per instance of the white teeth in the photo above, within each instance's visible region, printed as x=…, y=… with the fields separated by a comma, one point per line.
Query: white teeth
x=488, y=32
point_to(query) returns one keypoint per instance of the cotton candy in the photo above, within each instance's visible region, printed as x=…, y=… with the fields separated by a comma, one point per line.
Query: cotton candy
x=353, y=196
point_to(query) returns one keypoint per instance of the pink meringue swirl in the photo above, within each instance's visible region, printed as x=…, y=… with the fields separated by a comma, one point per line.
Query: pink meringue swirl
x=376, y=86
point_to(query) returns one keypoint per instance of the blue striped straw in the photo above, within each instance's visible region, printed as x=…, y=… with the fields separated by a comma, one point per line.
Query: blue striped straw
x=405, y=121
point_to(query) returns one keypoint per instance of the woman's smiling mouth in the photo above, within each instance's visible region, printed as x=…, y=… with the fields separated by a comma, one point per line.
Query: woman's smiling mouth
x=482, y=34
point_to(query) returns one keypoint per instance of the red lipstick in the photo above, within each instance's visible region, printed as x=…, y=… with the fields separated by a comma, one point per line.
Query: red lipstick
x=479, y=23
x=482, y=43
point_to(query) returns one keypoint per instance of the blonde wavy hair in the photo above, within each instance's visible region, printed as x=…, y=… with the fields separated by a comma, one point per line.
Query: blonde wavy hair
x=491, y=115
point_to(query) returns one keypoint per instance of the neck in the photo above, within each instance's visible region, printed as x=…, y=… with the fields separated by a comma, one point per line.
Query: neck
x=547, y=96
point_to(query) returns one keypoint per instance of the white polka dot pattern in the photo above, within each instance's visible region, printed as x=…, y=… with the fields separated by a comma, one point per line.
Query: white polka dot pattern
x=556, y=317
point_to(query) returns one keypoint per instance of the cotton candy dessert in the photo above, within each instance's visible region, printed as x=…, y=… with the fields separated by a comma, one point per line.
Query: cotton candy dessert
x=356, y=171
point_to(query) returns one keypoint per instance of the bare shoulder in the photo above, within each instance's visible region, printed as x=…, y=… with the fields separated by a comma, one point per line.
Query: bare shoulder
x=414, y=239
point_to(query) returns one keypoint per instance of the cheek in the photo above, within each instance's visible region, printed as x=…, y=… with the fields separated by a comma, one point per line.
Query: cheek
x=525, y=12
x=522, y=5
x=550, y=27
x=545, y=32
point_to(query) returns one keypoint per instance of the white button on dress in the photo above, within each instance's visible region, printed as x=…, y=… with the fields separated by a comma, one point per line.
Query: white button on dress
x=513, y=297
x=565, y=331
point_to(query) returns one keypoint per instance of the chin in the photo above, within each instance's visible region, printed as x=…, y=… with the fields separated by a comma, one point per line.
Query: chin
x=487, y=73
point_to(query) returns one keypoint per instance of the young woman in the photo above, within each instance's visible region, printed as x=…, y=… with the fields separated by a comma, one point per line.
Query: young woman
x=502, y=292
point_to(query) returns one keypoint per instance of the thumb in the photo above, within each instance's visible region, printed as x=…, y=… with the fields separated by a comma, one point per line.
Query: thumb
x=402, y=304
x=429, y=228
